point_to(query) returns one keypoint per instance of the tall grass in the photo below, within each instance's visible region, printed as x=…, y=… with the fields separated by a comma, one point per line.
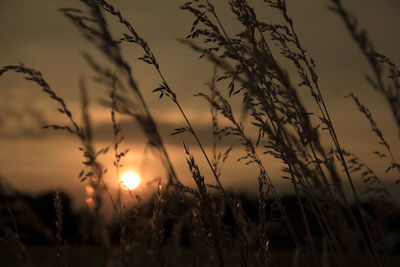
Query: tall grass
x=246, y=68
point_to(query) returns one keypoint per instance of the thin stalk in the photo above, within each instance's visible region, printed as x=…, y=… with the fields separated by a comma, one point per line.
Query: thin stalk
x=338, y=147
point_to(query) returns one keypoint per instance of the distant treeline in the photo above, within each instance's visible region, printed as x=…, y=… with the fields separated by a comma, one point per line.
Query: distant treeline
x=35, y=217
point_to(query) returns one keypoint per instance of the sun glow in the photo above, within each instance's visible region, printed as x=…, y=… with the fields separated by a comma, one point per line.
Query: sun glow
x=130, y=180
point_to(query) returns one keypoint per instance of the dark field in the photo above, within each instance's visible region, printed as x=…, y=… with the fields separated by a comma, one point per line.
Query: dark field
x=89, y=256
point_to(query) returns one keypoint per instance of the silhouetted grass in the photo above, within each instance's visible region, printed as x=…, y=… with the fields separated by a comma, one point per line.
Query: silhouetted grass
x=206, y=223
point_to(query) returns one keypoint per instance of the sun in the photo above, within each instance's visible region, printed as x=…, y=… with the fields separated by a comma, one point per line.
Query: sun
x=130, y=180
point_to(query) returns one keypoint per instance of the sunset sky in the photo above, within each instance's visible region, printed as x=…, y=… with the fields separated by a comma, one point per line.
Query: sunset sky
x=37, y=34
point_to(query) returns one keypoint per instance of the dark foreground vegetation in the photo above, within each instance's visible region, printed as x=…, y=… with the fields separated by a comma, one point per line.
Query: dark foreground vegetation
x=35, y=218
x=266, y=67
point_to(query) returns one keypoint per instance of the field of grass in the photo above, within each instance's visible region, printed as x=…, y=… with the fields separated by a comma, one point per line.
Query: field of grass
x=262, y=73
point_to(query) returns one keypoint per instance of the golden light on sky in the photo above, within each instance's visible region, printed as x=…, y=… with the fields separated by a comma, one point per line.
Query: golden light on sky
x=24, y=110
x=130, y=180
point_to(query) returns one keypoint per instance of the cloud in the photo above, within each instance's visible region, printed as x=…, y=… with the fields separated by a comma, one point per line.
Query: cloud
x=24, y=133
x=132, y=132
x=21, y=121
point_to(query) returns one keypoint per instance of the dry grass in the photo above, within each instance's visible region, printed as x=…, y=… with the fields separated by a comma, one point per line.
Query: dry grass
x=328, y=231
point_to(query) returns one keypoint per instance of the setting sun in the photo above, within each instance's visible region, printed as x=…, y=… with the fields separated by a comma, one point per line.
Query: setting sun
x=130, y=180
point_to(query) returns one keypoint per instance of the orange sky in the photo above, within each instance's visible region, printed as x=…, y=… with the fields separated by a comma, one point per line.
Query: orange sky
x=37, y=34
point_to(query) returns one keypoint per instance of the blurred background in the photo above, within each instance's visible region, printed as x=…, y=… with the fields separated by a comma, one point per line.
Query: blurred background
x=35, y=160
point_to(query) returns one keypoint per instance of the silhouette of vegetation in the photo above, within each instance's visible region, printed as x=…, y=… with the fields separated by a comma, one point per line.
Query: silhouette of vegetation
x=207, y=225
